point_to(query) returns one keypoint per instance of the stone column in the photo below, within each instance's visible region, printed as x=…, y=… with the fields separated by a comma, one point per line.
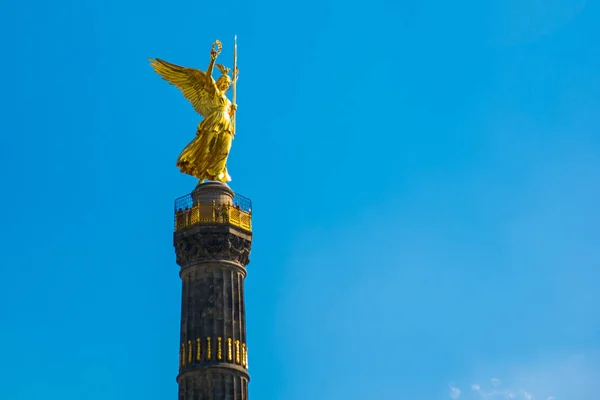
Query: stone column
x=213, y=258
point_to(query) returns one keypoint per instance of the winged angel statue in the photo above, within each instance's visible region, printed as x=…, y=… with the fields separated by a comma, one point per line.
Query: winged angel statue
x=205, y=157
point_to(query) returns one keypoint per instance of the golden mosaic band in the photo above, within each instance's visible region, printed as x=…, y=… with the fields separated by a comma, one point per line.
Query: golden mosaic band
x=187, y=350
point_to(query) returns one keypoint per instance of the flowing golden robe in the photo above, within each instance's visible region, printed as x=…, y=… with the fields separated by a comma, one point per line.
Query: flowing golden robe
x=206, y=156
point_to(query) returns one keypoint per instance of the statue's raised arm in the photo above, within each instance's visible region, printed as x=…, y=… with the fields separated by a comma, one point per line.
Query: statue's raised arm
x=214, y=53
x=206, y=156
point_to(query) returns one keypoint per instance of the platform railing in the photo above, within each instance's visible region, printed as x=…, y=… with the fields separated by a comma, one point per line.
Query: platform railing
x=238, y=213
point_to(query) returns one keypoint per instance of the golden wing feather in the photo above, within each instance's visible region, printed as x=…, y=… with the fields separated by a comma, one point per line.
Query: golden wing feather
x=190, y=81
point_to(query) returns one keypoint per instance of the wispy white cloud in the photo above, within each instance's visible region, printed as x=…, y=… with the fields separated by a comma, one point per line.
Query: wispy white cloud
x=454, y=391
x=551, y=378
x=494, y=391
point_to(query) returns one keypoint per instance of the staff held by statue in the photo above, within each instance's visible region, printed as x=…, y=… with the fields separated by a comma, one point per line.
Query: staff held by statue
x=235, y=78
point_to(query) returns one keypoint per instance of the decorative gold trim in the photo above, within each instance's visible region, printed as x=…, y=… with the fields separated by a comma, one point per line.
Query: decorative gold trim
x=243, y=354
x=182, y=355
x=208, y=352
x=229, y=352
x=199, y=351
x=186, y=352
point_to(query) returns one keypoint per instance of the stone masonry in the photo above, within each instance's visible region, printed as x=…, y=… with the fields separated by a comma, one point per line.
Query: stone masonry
x=213, y=350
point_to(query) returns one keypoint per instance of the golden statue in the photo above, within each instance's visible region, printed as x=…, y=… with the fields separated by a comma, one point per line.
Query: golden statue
x=205, y=157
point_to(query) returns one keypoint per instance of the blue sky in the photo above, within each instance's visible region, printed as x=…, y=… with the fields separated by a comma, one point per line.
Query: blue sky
x=425, y=179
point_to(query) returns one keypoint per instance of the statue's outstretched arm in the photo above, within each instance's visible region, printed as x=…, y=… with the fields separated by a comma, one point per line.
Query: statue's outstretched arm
x=213, y=57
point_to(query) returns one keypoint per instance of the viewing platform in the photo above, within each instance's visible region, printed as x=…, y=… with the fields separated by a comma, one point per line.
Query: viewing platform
x=200, y=207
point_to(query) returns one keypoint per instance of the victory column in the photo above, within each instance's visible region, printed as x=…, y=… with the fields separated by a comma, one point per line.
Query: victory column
x=213, y=237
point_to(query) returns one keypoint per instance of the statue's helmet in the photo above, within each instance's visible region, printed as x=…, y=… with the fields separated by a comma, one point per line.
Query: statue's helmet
x=224, y=80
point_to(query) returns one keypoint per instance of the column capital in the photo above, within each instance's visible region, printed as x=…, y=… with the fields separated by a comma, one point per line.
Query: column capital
x=204, y=244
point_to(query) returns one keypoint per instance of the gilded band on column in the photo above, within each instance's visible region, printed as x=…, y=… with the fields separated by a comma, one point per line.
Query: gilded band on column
x=243, y=354
x=187, y=350
x=199, y=349
x=219, y=348
x=208, y=350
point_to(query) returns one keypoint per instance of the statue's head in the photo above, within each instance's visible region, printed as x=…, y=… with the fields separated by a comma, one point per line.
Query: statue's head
x=223, y=82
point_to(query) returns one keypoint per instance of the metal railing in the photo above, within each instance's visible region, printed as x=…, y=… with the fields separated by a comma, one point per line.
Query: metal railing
x=238, y=213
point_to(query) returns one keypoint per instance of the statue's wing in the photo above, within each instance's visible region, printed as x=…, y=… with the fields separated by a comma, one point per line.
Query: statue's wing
x=190, y=81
